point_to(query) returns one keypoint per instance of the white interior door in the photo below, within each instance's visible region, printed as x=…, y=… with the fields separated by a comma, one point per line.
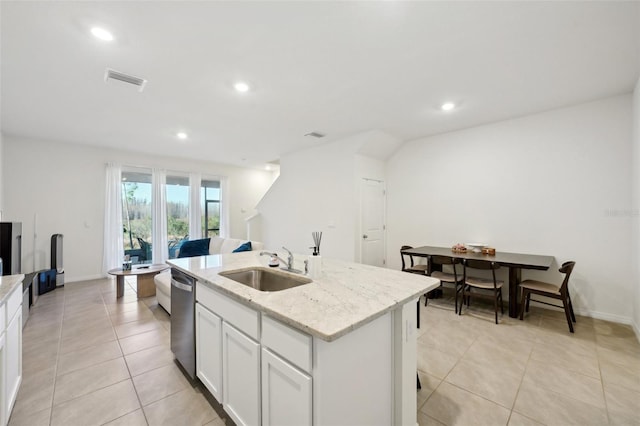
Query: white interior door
x=372, y=235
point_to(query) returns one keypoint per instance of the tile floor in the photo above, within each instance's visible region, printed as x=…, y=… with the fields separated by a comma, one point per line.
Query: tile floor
x=531, y=372
x=89, y=359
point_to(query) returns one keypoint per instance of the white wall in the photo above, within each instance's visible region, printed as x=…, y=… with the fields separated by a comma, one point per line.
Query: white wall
x=314, y=192
x=64, y=185
x=555, y=183
x=319, y=190
x=635, y=197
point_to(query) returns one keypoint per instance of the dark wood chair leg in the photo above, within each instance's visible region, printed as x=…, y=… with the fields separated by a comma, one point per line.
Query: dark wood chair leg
x=573, y=316
x=567, y=314
x=495, y=303
x=418, y=313
x=528, y=300
x=523, y=299
x=418, y=379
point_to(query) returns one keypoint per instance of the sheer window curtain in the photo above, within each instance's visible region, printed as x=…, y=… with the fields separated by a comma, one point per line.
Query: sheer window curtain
x=195, y=209
x=160, y=249
x=224, y=208
x=113, y=253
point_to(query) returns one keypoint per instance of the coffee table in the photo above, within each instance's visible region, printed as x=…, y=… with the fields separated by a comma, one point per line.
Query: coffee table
x=144, y=274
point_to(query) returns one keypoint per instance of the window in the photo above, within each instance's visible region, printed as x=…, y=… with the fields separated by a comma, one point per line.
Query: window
x=177, y=212
x=136, y=215
x=210, y=203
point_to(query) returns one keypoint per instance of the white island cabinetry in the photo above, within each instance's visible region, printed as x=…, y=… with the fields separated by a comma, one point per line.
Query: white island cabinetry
x=10, y=343
x=338, y=350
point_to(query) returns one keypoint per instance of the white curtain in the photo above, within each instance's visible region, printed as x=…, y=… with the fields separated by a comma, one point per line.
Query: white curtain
x=113, y=253
x=224, y=208
x=159, y=248
x=195, y=209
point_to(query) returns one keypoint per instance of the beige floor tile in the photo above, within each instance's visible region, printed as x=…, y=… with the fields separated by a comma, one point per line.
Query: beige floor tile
x=135, y=418
x=429, y=383
x=434, y=362
x=136, y=327
x=560, y=357
x=138, y=342
x=613, y=329
x=547, y=376
x=493, y=382
x=159, y=383
x=149, y=359
x=88, y=356
x=86, y=380
x=627, y=345
x=454, y=406
x=115, y=306
x=449, y=338
x=622, y=405
x=621, y=375
x=582, y=329
x=31, y=418
x=118, y=318
x=216, y=422
x=187, y=407
x=517, y=419
x=487, y=351
x=619, y=357
x=86, y=339
x=97, y=407
x=575, y=344
x=553, y=408
x=424, y=420
x=36, y=395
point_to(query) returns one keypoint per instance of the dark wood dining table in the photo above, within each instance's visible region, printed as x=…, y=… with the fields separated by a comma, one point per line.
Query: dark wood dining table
x=515, y=262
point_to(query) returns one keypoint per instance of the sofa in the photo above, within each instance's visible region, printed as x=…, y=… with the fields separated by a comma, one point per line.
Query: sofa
x=217, y=245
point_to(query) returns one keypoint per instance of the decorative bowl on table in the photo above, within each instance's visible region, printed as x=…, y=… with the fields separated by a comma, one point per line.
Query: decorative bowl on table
x=476, y=247
x=459, y=248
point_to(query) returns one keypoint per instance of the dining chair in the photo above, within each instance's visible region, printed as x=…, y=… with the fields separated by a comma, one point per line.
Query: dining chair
x=488, y=288
x=436, y=262
x=413, y=267
x=529, y=287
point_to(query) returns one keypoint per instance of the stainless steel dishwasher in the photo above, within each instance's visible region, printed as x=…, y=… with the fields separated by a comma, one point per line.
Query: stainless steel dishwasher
x=183, y=299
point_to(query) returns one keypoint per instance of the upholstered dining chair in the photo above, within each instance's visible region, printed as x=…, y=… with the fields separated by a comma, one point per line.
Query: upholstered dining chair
x=488, y=288
x=413, y=267
x=446, y=277
x=561, y=293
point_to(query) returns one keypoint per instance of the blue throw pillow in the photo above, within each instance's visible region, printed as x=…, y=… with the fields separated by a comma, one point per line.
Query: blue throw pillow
x=193, y=248
x=243, y=247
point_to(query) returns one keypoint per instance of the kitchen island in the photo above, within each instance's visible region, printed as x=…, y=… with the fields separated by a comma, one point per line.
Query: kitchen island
x=338, y=350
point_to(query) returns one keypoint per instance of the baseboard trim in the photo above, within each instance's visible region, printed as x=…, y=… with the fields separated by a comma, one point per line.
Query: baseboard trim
x=85, y=278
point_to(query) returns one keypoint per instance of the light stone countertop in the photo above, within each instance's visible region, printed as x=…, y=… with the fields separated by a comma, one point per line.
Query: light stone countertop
x=8, y=283
x=346, y=296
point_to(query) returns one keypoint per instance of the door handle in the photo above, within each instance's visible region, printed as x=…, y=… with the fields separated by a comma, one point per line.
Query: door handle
x=181, y=286
x=365, y=236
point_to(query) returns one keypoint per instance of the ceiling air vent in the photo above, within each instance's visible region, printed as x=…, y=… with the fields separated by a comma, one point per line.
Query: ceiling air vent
x=315, y=135
x=124, y=78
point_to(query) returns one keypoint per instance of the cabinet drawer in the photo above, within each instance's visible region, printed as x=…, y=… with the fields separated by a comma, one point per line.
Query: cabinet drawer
x=240, y=316
x=290, y=344
x=13, y=303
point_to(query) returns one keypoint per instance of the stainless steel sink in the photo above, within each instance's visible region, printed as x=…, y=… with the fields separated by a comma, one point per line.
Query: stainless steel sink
x=264, y=279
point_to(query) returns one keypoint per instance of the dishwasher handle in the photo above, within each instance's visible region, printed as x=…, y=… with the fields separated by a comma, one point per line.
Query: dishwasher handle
x=181, y=286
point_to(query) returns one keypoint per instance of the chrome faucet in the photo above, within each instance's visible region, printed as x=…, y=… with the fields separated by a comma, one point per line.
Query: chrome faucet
x=288, y=263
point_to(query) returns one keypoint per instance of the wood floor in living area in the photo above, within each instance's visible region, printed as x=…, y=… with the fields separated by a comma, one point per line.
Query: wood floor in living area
x=89, y=359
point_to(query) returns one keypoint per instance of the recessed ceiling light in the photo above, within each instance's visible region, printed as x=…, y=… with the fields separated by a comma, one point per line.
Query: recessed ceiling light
x=102, y=34
x=182, y=135
x=267, y=167
x=241, y=87
x=447, y=106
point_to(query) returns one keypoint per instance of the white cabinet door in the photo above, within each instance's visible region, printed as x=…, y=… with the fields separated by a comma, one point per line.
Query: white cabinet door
x=286, y=393
x=241, y=376
x=209, y=350
x=3, y=417
x=13, y=361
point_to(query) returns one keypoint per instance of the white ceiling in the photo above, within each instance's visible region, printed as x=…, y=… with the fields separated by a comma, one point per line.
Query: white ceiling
x=340, y=68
